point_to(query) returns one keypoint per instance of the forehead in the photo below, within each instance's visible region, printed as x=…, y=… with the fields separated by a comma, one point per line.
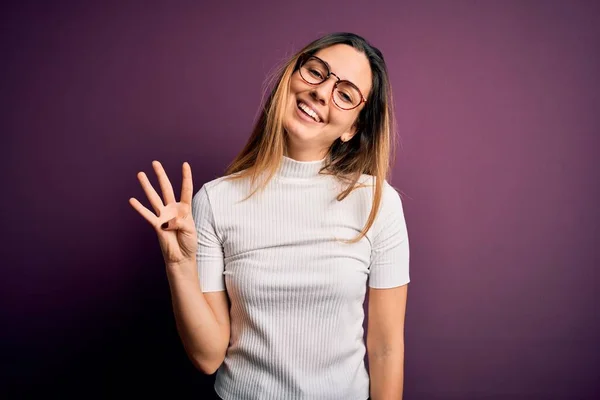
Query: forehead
x=348, y=63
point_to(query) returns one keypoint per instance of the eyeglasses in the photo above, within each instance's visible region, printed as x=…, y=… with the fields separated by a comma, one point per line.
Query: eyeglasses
x=315, y=71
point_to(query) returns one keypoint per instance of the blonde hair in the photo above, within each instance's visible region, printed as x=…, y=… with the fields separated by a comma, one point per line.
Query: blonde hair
x=370, y=151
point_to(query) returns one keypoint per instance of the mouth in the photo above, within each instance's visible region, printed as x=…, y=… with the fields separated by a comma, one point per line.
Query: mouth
x=307, y=111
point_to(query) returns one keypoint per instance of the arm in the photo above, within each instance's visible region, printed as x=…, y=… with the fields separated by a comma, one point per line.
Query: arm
x=388, y=284
x=200, y=302
x=385, y=342
x=202, y=319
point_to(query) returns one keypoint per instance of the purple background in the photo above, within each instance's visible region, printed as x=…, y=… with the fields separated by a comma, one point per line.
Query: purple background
x=498, y=109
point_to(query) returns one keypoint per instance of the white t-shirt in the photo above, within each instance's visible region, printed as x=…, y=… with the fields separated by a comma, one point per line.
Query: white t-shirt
x=296, y=292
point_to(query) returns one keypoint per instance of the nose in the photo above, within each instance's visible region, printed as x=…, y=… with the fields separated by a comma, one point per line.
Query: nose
x=322, y=92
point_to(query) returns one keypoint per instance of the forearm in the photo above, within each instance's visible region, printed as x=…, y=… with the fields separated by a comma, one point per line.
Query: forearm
x=197, y=325
x=386, y=372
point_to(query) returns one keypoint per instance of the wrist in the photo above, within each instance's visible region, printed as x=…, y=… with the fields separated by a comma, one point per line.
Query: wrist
x=186, y=270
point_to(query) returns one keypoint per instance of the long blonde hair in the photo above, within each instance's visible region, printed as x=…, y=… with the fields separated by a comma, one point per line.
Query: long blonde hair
x=370, y=151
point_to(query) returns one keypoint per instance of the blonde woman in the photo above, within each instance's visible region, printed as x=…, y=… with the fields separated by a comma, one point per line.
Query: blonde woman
x=269, y=265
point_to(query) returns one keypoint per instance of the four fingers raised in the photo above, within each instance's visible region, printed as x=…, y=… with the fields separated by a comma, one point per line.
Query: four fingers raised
x=167, y=189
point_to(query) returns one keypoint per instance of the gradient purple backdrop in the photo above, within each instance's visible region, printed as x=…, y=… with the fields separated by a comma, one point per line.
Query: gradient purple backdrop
x=499, y=117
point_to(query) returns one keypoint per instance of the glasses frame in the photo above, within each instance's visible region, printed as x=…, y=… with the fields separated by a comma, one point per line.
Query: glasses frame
x=305, y=57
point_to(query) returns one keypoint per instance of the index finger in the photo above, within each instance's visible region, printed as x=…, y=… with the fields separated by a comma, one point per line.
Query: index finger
x=186, y=184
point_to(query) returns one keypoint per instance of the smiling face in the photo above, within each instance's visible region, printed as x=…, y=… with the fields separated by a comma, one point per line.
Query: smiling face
x=312, y=120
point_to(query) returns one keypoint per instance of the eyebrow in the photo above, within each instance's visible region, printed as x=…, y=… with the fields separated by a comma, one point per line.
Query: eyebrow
x=343, y=79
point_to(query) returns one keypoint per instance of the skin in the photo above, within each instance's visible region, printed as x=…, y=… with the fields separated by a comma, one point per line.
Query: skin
x=309, y=140
x=385, y=342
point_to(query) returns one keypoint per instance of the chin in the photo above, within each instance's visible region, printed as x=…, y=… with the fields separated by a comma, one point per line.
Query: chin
x=299, y=130
x=299, y=134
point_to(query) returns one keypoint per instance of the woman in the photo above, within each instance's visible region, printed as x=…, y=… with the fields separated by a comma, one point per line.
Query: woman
x=283, y=244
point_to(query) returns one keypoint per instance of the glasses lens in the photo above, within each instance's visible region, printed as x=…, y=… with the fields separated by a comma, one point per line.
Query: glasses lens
x=313, y=71
x=346, y=95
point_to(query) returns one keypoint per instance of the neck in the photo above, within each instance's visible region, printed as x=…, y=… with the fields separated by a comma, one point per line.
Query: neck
x=305, y=154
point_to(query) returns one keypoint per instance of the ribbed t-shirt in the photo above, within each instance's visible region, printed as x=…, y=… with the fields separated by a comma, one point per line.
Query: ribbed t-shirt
x=296, y=290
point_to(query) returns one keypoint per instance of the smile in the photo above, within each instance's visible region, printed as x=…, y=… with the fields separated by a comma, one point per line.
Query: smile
x=306, y=110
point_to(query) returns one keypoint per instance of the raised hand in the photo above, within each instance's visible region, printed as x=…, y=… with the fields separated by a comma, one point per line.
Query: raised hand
x=171, y=220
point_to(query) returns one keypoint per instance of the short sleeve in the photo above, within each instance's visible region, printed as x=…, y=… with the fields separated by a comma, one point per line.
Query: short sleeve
x=209, y=255
x=389, y=247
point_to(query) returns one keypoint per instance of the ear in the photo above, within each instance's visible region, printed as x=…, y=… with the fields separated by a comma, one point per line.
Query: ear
x=349, y=134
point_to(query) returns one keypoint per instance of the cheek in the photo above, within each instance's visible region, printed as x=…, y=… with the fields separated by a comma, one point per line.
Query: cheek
x=339, y=118
x=296, y=83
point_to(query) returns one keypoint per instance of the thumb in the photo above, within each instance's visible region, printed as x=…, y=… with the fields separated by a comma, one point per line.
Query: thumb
x=171, y=225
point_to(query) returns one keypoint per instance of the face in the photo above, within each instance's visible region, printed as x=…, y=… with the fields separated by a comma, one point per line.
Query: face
x=309, y=139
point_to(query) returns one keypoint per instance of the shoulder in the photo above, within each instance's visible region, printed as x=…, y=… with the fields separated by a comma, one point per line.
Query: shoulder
x=219, y=183
x=389, y=194
x=390, y=208
x=221, y=189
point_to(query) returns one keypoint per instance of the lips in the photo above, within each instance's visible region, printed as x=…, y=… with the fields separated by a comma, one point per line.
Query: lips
x=309, y=110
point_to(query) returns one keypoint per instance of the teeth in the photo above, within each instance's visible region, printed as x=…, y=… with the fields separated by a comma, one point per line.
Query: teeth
x=309, y=111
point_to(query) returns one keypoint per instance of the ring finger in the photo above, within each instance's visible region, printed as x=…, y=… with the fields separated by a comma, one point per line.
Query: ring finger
x=153, y=197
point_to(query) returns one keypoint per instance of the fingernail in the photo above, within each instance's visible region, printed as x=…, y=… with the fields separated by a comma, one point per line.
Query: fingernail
x=165, y=225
